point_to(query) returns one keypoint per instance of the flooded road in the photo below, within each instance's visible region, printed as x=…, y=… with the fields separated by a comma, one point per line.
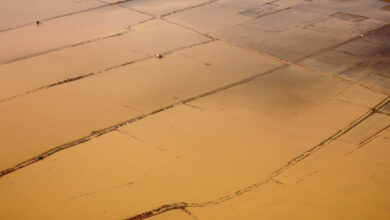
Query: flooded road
x=196, y=109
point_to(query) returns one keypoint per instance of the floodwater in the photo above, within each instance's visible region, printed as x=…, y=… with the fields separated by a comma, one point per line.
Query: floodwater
x=194, y=109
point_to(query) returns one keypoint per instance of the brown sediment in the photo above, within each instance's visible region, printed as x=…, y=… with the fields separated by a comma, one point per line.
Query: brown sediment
x=101, y=71
x=296, y=62
x=65, y=15
x=98, y=133
x=189, y=7
x=103, y=131
x=368, y=140
x=386, y=8
x=184, y=205
x=349, y=16
x=293, y=101
x=70, y=45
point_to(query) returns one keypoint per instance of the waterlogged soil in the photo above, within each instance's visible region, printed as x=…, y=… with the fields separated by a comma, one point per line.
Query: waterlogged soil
x=219, y=109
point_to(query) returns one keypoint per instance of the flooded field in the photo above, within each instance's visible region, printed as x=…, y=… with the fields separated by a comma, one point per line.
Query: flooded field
x=194, y=109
